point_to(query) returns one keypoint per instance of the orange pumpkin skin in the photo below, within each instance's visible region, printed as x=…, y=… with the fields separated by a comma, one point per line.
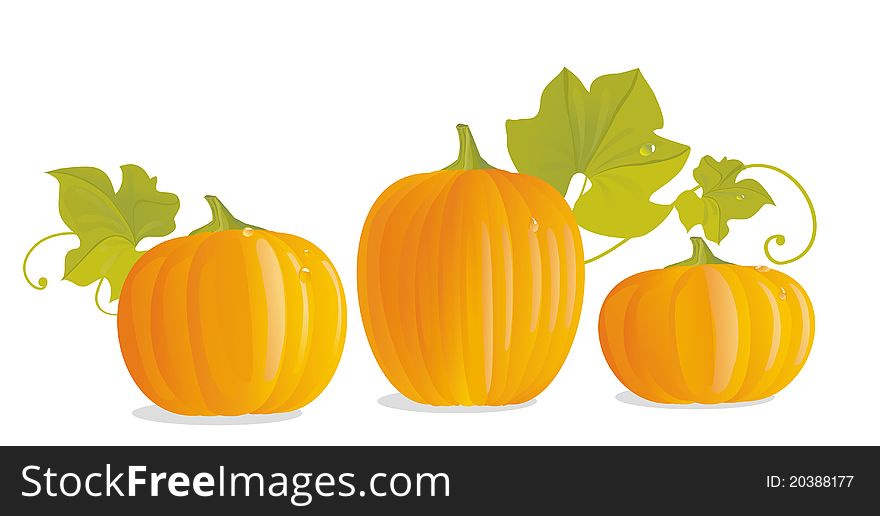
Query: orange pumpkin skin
x=470, y=285
x=706, y=334
x=232, y=322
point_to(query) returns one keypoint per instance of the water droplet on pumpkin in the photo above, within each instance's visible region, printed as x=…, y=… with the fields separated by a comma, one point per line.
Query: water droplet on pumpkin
x=762, y=268
x=782, y=294
x=533, y=225
x=740, y=197
x=306, y=251
x=247, y=232
x=647, y=149
x=305, y=274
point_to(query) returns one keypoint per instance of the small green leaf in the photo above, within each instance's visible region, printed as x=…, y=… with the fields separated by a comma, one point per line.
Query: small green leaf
x=606, y=133
x=110, y=224
x=723, y=198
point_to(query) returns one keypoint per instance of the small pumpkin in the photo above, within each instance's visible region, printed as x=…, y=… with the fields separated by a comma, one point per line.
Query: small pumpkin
x=470, y=282
x=706, y=331
x=232, y=320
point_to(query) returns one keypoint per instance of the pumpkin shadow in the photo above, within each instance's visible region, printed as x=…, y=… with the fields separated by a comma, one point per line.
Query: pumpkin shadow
x=400, y=402
x=160, y=415
x=632, y=399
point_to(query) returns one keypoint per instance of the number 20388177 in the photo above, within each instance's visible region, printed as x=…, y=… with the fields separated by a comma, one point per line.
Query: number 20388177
x=809, y=481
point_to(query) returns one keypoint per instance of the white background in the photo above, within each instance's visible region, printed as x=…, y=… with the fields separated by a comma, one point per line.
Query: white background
x=299, y=114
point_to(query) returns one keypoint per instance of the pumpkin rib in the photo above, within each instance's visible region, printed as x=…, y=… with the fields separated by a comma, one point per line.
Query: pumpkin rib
x=138, y=355
x=409, y=286
x=801, y=338
x=672, y=381
x=450, y=292
x=418, y=228
x=806, y=309
x=170, y=343
x=741, y=350
x=634, y=356
x=614, y=345
x=726, y=334
x=428, y=248
x=517, y=361
x=677, y=341
x=307, y=293
x=271, y=402
x=503, y=242
x=549, y=298
x=439, y=268
x=539, y=305
x=763, y=300
x=561, y=330
x=210, y=334
x=306, y=391
x=317, y=367
x=392, y=284
x=472, y=305
x=782, y=358
x=369, y=274
x=573, y=283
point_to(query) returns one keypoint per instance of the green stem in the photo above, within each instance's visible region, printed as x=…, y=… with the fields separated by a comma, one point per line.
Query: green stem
x=42, y=282
x=607, y=251
x=780, y=239
x=221, y=219
x=468, y=155
x=97, y=302
x=702, y=255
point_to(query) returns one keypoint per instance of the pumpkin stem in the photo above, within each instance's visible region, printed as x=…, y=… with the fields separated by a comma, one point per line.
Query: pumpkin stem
x=702, y=255
x=221, y=219
x=468, y=156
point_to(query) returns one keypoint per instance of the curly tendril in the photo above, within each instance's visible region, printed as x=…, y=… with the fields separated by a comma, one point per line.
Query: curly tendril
x=42, y=282
x=780, y=239
x=98, y=302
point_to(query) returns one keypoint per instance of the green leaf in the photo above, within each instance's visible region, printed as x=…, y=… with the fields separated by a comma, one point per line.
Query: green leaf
x=723, y=198
x=110, y=224
x=606, y=133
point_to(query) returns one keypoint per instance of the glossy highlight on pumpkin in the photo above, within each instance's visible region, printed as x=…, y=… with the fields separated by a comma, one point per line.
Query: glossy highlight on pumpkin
x=706, y=331
x=470, y=283
x=222, y=323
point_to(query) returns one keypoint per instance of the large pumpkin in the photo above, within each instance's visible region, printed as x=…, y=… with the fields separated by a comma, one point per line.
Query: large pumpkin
x=470, y=283
x=706, y=331
x=232, y=322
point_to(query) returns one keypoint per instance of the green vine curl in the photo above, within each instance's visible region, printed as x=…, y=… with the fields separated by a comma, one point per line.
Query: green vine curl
x=780, y=239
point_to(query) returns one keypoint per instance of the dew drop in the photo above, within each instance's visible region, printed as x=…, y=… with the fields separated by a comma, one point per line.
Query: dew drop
x=247, y=232
x=740, y=197
x=305, y=274
x=762, y=268
x=306, y=251
x=647, y=149
x=533, y=225
x=782, y=295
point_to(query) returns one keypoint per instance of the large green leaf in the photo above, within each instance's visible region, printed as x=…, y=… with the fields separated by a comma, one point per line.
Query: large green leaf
x=606, y=133
x=110, y=224
x=723, y=197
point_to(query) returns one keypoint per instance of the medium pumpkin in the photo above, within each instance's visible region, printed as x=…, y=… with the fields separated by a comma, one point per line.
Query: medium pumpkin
x=232, y=322
x=470, y=283
x=706, y=331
